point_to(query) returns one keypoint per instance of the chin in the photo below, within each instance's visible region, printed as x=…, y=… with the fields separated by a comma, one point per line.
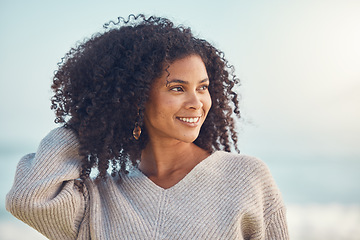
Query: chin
x=188, y=139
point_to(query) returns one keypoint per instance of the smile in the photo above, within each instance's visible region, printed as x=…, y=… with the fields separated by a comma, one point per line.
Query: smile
x=189, y=120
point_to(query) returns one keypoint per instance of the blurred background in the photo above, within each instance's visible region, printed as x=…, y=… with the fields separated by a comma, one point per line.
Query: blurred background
x=299, y=65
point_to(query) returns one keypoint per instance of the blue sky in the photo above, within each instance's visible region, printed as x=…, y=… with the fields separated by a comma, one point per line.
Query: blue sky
x=298, y=62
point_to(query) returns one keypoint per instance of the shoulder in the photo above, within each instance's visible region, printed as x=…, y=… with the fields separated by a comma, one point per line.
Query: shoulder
x=250, y=175
x=241, y=162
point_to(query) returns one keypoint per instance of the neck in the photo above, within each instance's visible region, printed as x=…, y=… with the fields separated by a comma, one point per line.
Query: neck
x=165, y=159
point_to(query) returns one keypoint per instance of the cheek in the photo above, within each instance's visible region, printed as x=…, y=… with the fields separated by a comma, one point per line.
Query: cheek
x=162, y=109
x=167, y=110
x=169, y=105
x=208, y=102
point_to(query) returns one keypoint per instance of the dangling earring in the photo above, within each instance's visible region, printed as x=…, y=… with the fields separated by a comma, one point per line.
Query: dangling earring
x=137, y=131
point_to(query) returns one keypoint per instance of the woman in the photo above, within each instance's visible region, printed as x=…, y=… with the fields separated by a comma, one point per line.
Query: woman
x=151, y=103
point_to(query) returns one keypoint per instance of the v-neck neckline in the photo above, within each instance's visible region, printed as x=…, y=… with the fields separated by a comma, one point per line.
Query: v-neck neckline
x=136, y=174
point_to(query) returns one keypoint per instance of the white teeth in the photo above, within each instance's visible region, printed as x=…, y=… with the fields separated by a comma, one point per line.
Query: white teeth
x=189, y=120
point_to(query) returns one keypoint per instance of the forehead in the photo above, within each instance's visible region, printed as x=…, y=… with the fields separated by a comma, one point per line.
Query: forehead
x=192, y=64
x=190, y=68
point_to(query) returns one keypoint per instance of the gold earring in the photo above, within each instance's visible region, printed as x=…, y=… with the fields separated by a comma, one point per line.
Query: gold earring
x=136, y=131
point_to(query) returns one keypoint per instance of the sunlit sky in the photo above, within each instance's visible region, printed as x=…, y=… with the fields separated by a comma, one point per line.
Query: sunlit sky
x=298, y=62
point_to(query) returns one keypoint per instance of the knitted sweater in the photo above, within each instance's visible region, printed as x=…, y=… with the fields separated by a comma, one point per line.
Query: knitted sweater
x=226, y=196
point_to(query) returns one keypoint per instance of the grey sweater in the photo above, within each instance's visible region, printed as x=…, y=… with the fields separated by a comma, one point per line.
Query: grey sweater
x=226, y=196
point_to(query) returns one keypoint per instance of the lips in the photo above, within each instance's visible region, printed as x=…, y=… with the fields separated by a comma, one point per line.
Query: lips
x=189, y=119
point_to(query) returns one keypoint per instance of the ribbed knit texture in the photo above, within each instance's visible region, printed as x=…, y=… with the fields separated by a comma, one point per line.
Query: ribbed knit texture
x=226, y=196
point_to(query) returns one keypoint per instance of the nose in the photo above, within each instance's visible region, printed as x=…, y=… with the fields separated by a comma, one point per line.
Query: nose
x=194, y=101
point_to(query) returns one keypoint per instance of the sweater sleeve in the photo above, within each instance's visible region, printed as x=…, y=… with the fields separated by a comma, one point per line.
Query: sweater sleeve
x=44, y=194
x=273, y=225
x=274, y=209
x=277, y=228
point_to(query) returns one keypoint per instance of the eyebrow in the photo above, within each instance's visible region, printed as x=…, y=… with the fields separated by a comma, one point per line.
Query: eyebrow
x=185, y=82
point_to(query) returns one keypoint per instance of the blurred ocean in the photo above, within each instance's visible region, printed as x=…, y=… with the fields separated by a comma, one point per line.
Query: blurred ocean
x=322, y=197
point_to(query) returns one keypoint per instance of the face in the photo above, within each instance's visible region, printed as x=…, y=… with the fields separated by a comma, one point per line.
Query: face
x=179, y=101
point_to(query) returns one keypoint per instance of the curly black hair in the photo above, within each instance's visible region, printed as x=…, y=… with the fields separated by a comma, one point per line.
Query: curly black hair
x=102, y=85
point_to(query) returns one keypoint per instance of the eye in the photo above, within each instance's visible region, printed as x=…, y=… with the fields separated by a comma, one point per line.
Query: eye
x=204, y=88
x=177, y=89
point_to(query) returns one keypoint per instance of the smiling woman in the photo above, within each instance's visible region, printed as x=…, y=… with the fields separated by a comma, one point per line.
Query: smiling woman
x=179, y=101
x=153, y=104
x=178, y=104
